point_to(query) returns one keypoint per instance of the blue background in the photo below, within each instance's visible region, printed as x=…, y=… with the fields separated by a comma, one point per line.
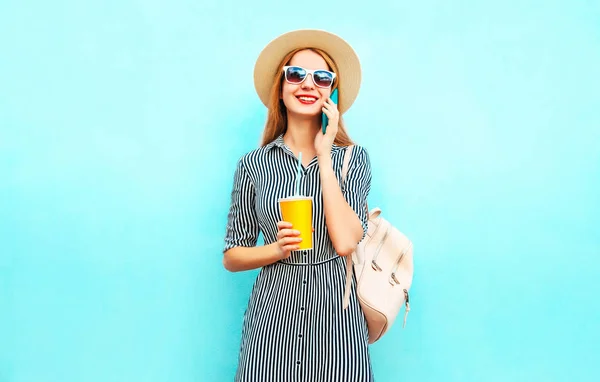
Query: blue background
x=121, y=123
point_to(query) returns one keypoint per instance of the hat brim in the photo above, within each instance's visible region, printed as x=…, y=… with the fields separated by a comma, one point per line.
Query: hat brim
x=348, y=74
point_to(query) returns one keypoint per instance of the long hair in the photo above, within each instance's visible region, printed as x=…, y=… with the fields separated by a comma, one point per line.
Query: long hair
x=277, y=115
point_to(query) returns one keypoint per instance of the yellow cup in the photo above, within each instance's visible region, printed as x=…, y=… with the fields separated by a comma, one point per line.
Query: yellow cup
x=298, y=210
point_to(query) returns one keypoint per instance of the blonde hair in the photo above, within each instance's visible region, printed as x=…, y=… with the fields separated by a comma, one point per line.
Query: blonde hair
x=277, y=116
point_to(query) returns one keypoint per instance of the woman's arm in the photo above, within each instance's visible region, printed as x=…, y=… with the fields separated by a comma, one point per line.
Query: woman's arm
x=346, y=215
x=343, y=224
x=241, y=252
x=242, y=230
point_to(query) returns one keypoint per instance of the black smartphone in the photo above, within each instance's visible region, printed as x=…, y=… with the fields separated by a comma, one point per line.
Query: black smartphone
x=324, y=119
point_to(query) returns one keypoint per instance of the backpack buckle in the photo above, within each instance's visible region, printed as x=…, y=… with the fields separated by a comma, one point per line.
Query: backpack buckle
x=375, y=266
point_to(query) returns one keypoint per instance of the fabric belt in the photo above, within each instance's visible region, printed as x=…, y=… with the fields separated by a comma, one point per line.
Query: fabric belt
x=305, y=264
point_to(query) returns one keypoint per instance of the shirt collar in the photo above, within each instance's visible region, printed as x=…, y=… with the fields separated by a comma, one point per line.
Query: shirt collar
x=277, y=142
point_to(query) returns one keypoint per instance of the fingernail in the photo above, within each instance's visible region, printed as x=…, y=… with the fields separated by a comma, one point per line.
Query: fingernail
x=296, y=232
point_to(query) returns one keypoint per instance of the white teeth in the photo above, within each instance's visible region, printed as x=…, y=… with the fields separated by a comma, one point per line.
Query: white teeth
x=307, y=99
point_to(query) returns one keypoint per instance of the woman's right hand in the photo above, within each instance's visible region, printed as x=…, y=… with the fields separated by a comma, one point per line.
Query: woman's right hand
x=287, y=239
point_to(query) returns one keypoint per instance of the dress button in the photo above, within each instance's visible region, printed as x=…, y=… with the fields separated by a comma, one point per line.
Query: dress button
x=304, y=282
x=299, y=335
x=297, y=362
x=302, y=308
x=304, y=253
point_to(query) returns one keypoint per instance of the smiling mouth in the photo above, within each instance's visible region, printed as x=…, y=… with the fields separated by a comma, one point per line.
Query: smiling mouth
x=307, y=100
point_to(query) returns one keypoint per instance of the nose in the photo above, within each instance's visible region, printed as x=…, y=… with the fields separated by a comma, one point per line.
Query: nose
x=308, y=82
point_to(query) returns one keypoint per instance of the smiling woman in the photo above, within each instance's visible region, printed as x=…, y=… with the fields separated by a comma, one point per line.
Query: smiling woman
x=323, y=67
x=296, y=306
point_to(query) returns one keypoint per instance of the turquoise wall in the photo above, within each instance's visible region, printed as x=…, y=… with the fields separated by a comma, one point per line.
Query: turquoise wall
x=121, y=123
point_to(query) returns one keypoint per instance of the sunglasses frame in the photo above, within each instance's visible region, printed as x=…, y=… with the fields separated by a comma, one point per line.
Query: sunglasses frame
x=311, y=72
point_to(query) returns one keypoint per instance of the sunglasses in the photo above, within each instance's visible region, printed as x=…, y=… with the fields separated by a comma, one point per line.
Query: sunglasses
x=296, y=75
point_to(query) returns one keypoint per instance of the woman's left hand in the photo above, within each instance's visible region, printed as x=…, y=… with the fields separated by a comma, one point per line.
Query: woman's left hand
x=323, y=142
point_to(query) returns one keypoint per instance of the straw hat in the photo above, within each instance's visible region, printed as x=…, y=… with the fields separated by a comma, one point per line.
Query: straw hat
x=346, y=59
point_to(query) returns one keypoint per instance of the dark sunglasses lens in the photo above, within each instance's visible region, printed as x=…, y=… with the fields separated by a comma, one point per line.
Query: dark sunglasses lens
x=323, y=79
x=295, y=74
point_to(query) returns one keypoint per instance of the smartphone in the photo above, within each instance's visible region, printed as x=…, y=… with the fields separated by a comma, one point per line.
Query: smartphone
x=324, y=119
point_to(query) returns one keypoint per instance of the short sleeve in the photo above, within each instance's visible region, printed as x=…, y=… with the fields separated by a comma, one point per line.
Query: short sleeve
x=242, y=223
x=358, y=184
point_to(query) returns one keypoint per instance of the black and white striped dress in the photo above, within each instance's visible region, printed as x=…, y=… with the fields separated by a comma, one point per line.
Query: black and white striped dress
x=295, y=328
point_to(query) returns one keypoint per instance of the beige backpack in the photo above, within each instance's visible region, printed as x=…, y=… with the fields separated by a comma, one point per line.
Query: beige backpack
x=383, y=265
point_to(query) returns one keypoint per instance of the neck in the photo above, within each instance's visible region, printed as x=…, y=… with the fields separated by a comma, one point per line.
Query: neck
x=300, y=134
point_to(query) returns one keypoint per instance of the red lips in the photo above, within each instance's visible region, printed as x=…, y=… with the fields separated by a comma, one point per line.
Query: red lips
x=307, y=99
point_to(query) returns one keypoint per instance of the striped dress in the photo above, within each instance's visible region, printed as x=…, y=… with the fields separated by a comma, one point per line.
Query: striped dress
x=295, y=328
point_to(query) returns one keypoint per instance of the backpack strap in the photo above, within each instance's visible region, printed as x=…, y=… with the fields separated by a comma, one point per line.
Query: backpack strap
x=349, y=272
x=346, y=163
x=348, y=281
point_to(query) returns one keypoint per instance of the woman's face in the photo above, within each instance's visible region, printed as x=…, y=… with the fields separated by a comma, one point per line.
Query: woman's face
x=305, y=99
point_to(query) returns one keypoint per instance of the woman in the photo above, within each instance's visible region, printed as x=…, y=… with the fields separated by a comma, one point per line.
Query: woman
x=295, y=327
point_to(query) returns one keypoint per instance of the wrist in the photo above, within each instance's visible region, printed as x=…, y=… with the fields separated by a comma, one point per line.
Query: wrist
x=325, y=161
x=276, y=252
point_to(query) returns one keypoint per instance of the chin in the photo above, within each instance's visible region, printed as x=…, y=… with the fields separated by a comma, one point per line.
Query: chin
x=304, y=113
